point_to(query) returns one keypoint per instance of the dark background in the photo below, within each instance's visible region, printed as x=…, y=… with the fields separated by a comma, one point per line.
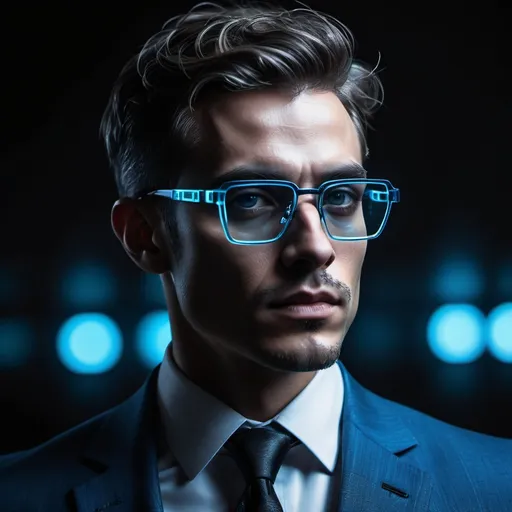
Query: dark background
x=442, y=137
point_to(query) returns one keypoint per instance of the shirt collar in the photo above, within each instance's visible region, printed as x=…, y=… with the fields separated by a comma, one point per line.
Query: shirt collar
x=188, y=413
x=314, y=415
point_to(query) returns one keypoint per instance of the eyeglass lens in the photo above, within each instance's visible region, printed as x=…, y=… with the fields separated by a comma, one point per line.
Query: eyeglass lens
x=260, y=213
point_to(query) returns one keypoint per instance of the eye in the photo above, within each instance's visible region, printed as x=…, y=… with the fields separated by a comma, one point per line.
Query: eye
x=341, y=201
x=247, y=200
x=340, y=197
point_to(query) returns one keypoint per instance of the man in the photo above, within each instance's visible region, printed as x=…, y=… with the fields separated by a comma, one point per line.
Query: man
x=237, y=138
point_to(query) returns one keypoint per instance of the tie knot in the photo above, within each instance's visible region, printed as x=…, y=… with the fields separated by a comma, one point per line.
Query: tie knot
x=260, y=451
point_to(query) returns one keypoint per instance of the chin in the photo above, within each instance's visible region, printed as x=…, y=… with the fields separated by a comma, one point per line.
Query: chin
x=306, y=355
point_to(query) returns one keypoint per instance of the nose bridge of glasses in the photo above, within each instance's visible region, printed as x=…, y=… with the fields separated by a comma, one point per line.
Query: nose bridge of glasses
x=310, y=197
x=305, y=196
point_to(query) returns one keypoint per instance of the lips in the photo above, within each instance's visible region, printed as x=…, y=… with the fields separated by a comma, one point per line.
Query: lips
x=304, y=297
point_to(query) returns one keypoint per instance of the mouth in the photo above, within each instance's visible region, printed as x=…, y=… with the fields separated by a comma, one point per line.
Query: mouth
x=313, y=310
x=307, y=303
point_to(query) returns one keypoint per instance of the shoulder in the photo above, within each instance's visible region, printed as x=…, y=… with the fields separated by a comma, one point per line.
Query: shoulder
x=469, y=470
x=58, y=448
x=382, y=415
x=451, y=451
x=48, y=471
x=435, y=431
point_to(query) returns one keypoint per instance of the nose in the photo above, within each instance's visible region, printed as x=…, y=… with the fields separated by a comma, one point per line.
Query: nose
x=306, y=244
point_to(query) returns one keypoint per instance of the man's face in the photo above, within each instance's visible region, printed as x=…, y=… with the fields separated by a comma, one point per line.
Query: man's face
x=223, y=291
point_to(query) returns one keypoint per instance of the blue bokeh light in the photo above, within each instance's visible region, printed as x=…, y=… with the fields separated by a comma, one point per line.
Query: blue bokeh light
x=10, y=289
x=499, y=323
x=458, y=279
x=89, y=343
x=88, y=285
x=456, y=333
x=152, y=290
x=16, y=339
x=152, y=337
x=377, y=334
x=504, y=283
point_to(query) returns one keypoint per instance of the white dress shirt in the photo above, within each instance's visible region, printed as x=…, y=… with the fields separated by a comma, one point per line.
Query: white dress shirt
x=198, y=473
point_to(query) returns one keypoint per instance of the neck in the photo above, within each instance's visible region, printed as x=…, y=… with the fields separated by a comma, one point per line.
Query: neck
x=255, y=392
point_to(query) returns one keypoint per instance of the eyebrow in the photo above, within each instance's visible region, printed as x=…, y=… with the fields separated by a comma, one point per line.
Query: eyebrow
x=269, y=172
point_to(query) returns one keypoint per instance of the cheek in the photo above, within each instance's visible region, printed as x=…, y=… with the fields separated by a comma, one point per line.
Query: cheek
x=351, y=253
x=350, y=258
x=217, y=283
x=212, y=268
x=359, y=254
x=351, y=263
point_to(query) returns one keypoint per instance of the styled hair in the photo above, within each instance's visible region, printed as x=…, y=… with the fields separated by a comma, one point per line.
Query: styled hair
x=149, y=128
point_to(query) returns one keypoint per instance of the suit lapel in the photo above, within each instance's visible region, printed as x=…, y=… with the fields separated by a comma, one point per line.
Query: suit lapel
x=374, y=477
x=123, y=456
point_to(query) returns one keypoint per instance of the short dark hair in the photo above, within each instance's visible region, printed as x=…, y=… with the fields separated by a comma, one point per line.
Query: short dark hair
x=148, y=126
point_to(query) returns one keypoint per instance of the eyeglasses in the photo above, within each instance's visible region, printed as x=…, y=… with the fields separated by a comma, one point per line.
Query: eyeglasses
x=259, y=211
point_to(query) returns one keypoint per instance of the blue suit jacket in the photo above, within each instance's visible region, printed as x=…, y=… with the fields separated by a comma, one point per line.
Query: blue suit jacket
x=109, y=462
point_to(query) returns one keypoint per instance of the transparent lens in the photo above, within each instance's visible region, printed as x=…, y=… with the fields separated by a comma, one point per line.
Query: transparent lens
x=258, y=213
x=355, y=210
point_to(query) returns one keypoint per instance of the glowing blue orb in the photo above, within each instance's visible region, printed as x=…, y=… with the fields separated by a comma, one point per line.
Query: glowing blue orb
x=88, y=285
x=500, y=332
x=16, y=340
x=458, y=279
x=89, y=343
x=456, y=333
x=152, y=337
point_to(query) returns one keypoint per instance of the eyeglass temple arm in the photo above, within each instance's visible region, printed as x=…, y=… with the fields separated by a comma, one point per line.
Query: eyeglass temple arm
x=190, y=195
x=392, y=195
x=214, y=196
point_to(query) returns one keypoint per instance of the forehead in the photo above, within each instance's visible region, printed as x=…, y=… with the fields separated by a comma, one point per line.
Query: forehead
x=300, y=135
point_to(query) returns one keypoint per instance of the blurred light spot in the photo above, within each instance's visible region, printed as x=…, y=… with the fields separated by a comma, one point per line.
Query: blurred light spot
x=153, y=290
x=505, y=280
x=377, y=334
x=456, y=333
x=458, y=280
x=88, y=285
x=15, y=342
x=152, y=337
x=10, y=289
x=89, y=343
x=500, y=332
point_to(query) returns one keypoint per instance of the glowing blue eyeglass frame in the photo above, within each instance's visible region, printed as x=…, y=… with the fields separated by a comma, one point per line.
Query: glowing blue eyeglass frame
x=218, y=197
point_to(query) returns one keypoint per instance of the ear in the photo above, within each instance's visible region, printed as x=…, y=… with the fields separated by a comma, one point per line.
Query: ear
x=140, y=236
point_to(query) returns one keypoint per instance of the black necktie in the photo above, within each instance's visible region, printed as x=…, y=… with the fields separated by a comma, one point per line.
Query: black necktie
x=259, y=453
